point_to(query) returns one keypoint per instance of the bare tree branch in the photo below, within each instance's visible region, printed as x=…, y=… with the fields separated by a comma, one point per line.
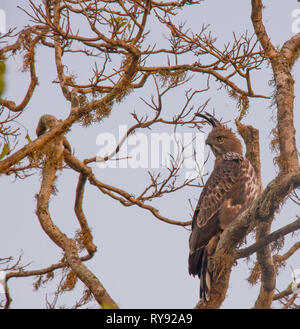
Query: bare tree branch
x=68, y=245
x=267, y=239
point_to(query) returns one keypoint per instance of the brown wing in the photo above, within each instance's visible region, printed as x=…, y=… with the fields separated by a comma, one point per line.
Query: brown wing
x=215, y=191
x=225, y=195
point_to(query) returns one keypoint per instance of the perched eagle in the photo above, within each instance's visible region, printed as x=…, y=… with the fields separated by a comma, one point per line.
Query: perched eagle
x=230, y=189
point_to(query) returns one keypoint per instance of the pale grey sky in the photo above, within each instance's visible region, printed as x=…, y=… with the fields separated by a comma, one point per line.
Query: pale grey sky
x=141, y=261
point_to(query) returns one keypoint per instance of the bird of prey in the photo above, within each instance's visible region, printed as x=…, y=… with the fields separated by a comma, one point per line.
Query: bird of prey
x=230, y=190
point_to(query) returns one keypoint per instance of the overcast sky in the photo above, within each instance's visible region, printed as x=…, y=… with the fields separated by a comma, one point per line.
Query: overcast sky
x=141, y=261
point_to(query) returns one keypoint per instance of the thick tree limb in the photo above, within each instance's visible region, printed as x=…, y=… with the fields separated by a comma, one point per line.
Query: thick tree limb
x=264, y=257
x=281, y=64
x=85, y=230
x=250, y=136
x=268, y=271
x=291, y=49
x=264, y=241
x=54, y=153
x=260, y=31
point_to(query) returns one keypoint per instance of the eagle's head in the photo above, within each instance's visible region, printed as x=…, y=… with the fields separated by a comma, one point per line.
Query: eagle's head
x=221, y=139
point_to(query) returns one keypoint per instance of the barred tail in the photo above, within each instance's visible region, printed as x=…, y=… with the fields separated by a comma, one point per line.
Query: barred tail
x=198, y=266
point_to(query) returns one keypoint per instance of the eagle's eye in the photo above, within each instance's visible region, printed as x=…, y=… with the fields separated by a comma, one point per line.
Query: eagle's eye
x=220, y=139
